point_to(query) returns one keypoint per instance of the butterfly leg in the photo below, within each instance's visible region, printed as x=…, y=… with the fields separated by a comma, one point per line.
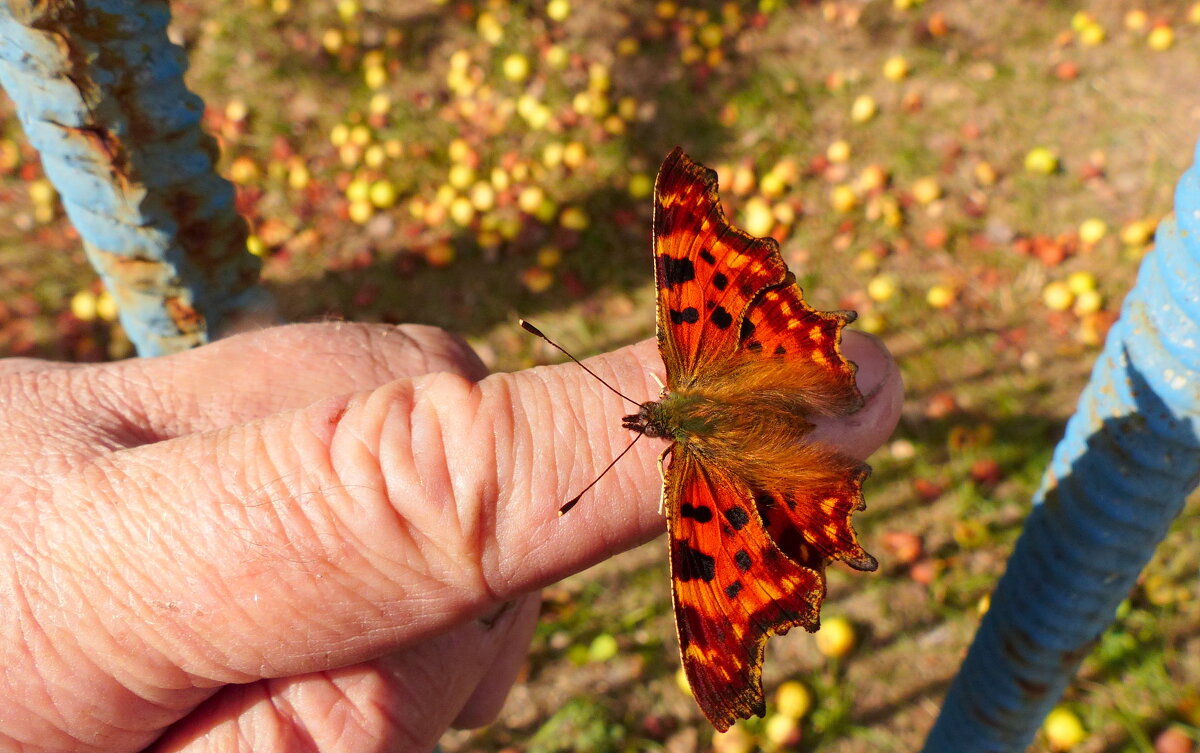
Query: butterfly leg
x=662, y=475
x=662, y=388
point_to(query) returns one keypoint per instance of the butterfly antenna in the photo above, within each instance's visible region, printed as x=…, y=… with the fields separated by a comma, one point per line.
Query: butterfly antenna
x=563, y=510
x=538, y=333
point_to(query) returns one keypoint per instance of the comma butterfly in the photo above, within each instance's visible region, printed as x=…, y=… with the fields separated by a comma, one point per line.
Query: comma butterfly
x=754, y=512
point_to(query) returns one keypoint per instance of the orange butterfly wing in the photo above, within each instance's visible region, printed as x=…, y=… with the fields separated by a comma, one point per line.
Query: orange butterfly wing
x=733, y=588
x=706, y=270
x=747, y=562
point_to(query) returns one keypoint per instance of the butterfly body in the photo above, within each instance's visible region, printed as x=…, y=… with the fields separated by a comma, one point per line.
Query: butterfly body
x=747, y=416
x=755, y=510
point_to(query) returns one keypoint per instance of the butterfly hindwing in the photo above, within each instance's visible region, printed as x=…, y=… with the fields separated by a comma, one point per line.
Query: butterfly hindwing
x=733, y=587
x=811, y=522
x=706, y=270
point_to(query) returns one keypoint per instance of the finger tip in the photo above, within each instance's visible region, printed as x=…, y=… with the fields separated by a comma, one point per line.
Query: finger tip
x=873, y=361
x=879, y=381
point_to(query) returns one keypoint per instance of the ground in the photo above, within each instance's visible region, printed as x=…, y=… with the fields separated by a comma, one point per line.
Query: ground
x=978, y=181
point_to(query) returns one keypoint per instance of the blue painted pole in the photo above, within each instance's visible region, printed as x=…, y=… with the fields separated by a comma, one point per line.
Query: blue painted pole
x=1120, y=475
x=99, y=91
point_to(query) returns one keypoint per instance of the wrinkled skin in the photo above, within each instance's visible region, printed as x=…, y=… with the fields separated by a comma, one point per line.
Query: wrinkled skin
x=315, y=537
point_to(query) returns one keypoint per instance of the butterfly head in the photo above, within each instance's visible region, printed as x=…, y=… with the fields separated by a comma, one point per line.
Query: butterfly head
x=649, y=420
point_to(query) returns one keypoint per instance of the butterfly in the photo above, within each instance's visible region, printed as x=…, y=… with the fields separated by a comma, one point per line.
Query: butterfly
x=754, y=511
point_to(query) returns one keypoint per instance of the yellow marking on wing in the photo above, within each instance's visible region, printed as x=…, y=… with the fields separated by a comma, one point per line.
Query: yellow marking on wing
x=711, y=658
x=816, y=334
x=785, y=308
x=673, y=235
x=819, y=357
x=831, y=531
x=737, y=261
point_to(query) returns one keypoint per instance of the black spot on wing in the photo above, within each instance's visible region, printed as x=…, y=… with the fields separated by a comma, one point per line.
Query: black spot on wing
x=737, y=518
x=707, y=256
x=698, y=513
x=720, y=281
x=674, y=271
x=721, y=318
x=733, y=589
x=780, y=350
x=688, y=316
x=743, y=560
x=693, y=563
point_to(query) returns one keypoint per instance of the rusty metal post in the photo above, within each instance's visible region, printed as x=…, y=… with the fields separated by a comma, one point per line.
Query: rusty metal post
x=99, y=91
x=1120, y=475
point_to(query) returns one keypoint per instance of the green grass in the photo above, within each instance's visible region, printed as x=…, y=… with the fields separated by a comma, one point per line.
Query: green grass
x=991, y=378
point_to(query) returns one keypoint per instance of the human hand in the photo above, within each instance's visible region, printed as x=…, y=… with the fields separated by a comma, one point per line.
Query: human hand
x=316, y=536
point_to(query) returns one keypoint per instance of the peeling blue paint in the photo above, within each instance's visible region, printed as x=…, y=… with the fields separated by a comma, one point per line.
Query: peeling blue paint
x=100, y=94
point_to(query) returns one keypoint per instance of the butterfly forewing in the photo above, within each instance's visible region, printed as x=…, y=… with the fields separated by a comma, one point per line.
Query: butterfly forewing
x=780, y=324
x=732, y=587
x=706, y=270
